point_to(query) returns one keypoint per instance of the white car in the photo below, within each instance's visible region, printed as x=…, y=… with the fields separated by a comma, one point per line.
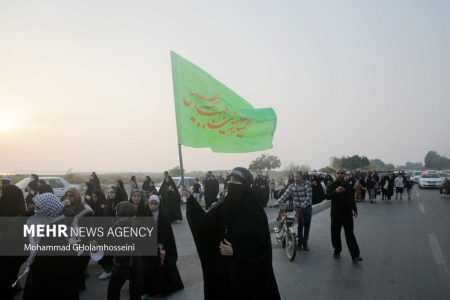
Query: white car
x=443, y=174
x=416, y=175
x=59, y=185
x=430, y=180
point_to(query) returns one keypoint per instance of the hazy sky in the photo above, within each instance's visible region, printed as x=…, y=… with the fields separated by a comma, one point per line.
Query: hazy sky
x=87, y=84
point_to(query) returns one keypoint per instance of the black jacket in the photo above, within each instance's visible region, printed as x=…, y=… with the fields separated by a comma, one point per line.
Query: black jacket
x=341, y=203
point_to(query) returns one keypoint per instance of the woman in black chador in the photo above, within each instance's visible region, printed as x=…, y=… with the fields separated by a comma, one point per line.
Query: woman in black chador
x=233, y=243
x=161, y=276
x=171, y=199
x=12, y=204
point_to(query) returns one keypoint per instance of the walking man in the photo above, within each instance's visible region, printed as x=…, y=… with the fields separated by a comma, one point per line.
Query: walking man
x=301, y=193
x=399, y=184
x=343, y=209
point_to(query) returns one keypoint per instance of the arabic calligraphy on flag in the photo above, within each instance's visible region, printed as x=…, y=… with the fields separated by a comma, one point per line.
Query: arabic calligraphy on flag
x=211, y=115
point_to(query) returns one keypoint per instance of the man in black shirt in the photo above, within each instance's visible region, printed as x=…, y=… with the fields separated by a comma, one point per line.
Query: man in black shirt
x=343, y=209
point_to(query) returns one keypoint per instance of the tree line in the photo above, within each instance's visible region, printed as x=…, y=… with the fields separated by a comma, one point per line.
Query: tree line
x=433, y=160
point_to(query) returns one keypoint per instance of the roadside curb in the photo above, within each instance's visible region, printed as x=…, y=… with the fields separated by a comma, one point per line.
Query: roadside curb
x=316, y=208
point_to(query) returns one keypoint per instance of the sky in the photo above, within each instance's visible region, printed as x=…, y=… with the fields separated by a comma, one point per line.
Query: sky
x=87, y=85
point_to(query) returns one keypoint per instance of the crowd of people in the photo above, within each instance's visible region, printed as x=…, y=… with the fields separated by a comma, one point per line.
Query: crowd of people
x=63, y=277
x=236, y=263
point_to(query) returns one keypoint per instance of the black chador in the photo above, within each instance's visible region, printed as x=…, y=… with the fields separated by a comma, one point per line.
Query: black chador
x=171, y=199
x=240, y=220
x=162, y=277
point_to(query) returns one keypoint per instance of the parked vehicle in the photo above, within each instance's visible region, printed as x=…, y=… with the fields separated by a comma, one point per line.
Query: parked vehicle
x=443, y=174
x=430, y=180
x=59, y=185
x=416, y=175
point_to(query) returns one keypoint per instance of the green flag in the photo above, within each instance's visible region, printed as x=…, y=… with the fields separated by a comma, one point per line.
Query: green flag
x=211, y=115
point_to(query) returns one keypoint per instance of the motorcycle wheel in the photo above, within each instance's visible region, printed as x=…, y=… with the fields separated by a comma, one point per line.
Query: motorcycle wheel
x=291, y=248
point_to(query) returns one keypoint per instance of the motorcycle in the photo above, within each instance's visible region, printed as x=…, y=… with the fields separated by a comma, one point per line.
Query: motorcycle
x=285, y=232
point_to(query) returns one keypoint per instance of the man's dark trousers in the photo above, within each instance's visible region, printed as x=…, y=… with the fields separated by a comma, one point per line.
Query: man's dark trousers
x=346, y=221
x=304, y=223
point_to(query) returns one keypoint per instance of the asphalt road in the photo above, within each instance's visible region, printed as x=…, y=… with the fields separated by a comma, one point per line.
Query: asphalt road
x=405, y=247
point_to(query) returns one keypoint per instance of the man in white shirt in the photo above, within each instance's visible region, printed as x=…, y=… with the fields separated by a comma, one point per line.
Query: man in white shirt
x=399, y=184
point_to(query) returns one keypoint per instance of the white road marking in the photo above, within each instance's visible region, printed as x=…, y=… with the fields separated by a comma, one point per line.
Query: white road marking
x=422, y=208
x=439, y=258
x=417, y=194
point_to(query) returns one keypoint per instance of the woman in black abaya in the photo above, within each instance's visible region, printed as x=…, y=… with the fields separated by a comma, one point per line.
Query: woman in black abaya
x=161, y=276
x=137, y=199
x=12, y=204
x=171, y=199
x=233, y=243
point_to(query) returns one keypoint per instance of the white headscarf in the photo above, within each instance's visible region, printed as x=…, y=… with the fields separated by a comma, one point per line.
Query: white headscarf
x=155, y=214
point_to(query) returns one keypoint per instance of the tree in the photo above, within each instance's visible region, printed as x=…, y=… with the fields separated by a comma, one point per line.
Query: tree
x=264, y=163
x=435, y=161
x=356, y=162
x=327, y=170
x=336, y=163
x=291, y=167
x=377, y=164
x=349, y=162
x=175, y=171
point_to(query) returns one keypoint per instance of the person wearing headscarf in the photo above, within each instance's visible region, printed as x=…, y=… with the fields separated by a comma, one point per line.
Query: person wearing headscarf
x=125, y=267
x=74, y=206
x=161, y=276
x=149, y=187
x=97, y=203
x=114, y=197
x=34, y=183
x=12, y=204
x=233, y=243
x=32, y=190
x=95, y=181
x=265, y=190
x=89, y=190
x=123, y=192
x=137, y=199
x=318, y=194
x=211, y=189
x=50, y=277
x=171, y=199
x=133, y=183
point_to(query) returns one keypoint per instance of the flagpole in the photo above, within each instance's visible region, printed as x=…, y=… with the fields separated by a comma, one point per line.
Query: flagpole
x=181, y=164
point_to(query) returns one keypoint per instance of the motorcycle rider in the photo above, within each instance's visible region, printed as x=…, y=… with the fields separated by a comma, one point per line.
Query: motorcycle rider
x=301, y=192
